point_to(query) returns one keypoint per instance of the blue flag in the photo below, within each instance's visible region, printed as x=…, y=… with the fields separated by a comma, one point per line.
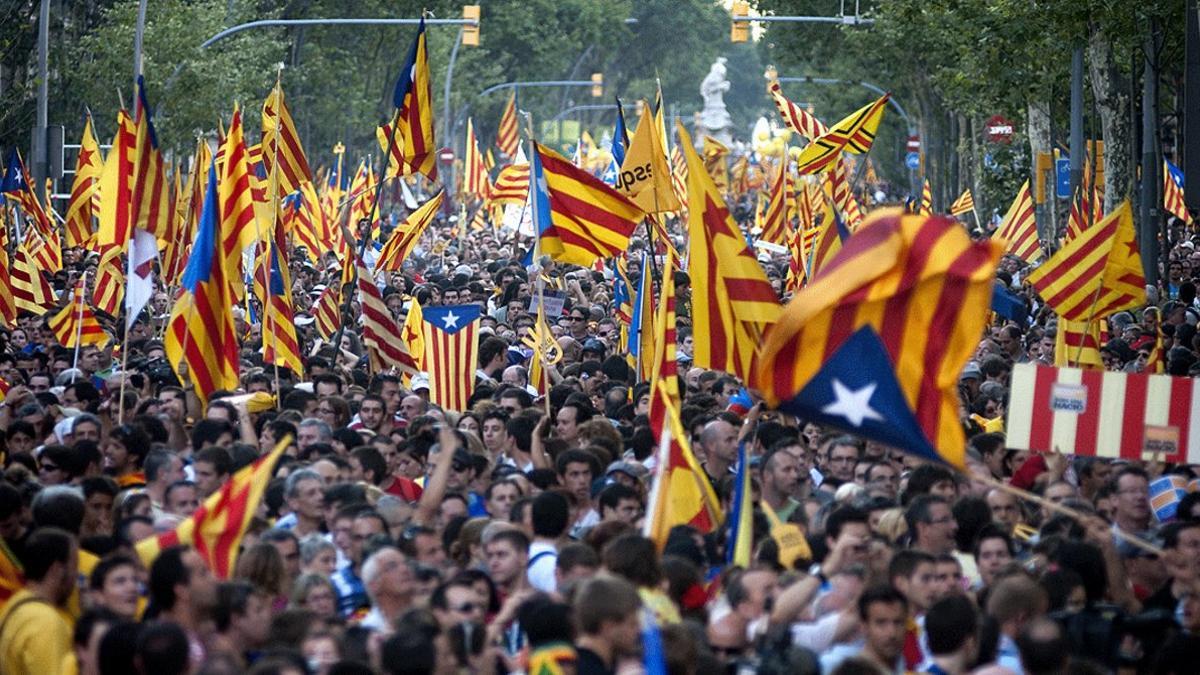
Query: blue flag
x=620, y=141
x=1009, y=305
x=1176, y=174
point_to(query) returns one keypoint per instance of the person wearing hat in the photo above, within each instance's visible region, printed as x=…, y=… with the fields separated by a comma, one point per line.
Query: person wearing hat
x=970, y=378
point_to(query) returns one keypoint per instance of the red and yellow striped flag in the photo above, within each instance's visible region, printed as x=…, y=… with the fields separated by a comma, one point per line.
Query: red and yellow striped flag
x=1018, y=230
x=76, y=324
x=475, y=180
x=304, y=218
x=272, y=281
x=31, y=291
x=732, y=301
x=1077, y=344
x=380, y=332
x=964, y=204
x=108, y=291
x=116, y=185
x=847, y=204
x=508, y=138
x=854, y=134
x=798, y=119
x=84, y=189
x=776, y=227
x=1081, y=215
x=8, y=304
x=1173, y=193
x=926, y=199
x=451, y=353
x=328, y=313
x=1096, y=274
x=414, y=150
x=281, y=142
x=150, y=196
x=874, y=345
x=404, y=239
x=581, y=219
x=236, y=218
x=200, y=331
x=512, y=185
x=215, y=529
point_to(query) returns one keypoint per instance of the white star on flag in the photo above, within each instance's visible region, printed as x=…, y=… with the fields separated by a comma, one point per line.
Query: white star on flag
x=451, y=320
x=854, y=405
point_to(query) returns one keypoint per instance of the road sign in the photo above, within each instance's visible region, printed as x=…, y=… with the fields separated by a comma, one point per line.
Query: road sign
x=914, y=143
x=912, y=160
x=999, y=130
x=1062, y=178
x=446, y=155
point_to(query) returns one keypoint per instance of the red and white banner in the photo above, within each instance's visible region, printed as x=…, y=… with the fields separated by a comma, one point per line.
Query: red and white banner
x=1104, y=414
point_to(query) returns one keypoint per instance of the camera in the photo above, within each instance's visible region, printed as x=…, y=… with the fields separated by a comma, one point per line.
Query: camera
x=157, y=369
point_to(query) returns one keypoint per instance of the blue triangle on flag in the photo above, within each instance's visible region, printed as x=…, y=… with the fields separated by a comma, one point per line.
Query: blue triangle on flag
x=451, y=318
x=856, y=391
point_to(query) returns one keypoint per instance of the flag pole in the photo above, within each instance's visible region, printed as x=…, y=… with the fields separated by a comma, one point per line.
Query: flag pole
x=540, y=282
x=270, y=257
x=78, y=326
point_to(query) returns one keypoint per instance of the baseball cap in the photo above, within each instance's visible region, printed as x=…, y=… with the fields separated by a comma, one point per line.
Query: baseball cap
x=419, y=381
x=971, y=370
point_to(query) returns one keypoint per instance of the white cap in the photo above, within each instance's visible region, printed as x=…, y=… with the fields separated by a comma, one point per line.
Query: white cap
x=419, y=381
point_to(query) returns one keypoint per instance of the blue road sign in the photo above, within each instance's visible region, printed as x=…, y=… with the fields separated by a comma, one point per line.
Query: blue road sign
x=912, y=160
x=1062, y=178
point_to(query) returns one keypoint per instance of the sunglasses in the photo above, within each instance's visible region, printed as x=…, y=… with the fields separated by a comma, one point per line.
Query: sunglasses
x=578, y=318
x=467, y=607
x=458, y=467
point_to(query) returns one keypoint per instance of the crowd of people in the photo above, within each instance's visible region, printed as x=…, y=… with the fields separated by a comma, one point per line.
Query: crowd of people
x=398, y=537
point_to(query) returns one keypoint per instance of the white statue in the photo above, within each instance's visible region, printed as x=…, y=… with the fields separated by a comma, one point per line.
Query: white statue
x=714, y=118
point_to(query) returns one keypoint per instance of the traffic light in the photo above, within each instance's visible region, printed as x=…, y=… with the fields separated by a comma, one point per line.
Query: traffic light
x=597, y=85
x=470, y=34
x=739, y=30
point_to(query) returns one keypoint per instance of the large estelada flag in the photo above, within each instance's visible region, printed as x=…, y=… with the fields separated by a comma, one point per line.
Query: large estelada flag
x=215, y=529
x=414, y=150
x=874, y=345
x=451, y=334
x=1104, y=414
x=89, y=166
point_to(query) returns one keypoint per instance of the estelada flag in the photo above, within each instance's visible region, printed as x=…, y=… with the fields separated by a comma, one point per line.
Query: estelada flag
x=451, y=353
x=215, y=529
x=414, y=149
x=1104, y=414
x=874, y=345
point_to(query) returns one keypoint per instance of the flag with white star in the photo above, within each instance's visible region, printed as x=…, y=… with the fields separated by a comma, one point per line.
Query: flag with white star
x=451, y=336
x=875, y=344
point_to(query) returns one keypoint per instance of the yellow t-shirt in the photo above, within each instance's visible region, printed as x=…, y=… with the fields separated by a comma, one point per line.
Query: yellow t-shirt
x=33, y=636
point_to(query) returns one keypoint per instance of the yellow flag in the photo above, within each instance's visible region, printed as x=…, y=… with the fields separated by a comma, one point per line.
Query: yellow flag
x=413, y=334
x=645, y=175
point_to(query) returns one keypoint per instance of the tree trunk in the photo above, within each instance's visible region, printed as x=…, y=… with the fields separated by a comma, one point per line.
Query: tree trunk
x=1040, y=141
x=1111, y=91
